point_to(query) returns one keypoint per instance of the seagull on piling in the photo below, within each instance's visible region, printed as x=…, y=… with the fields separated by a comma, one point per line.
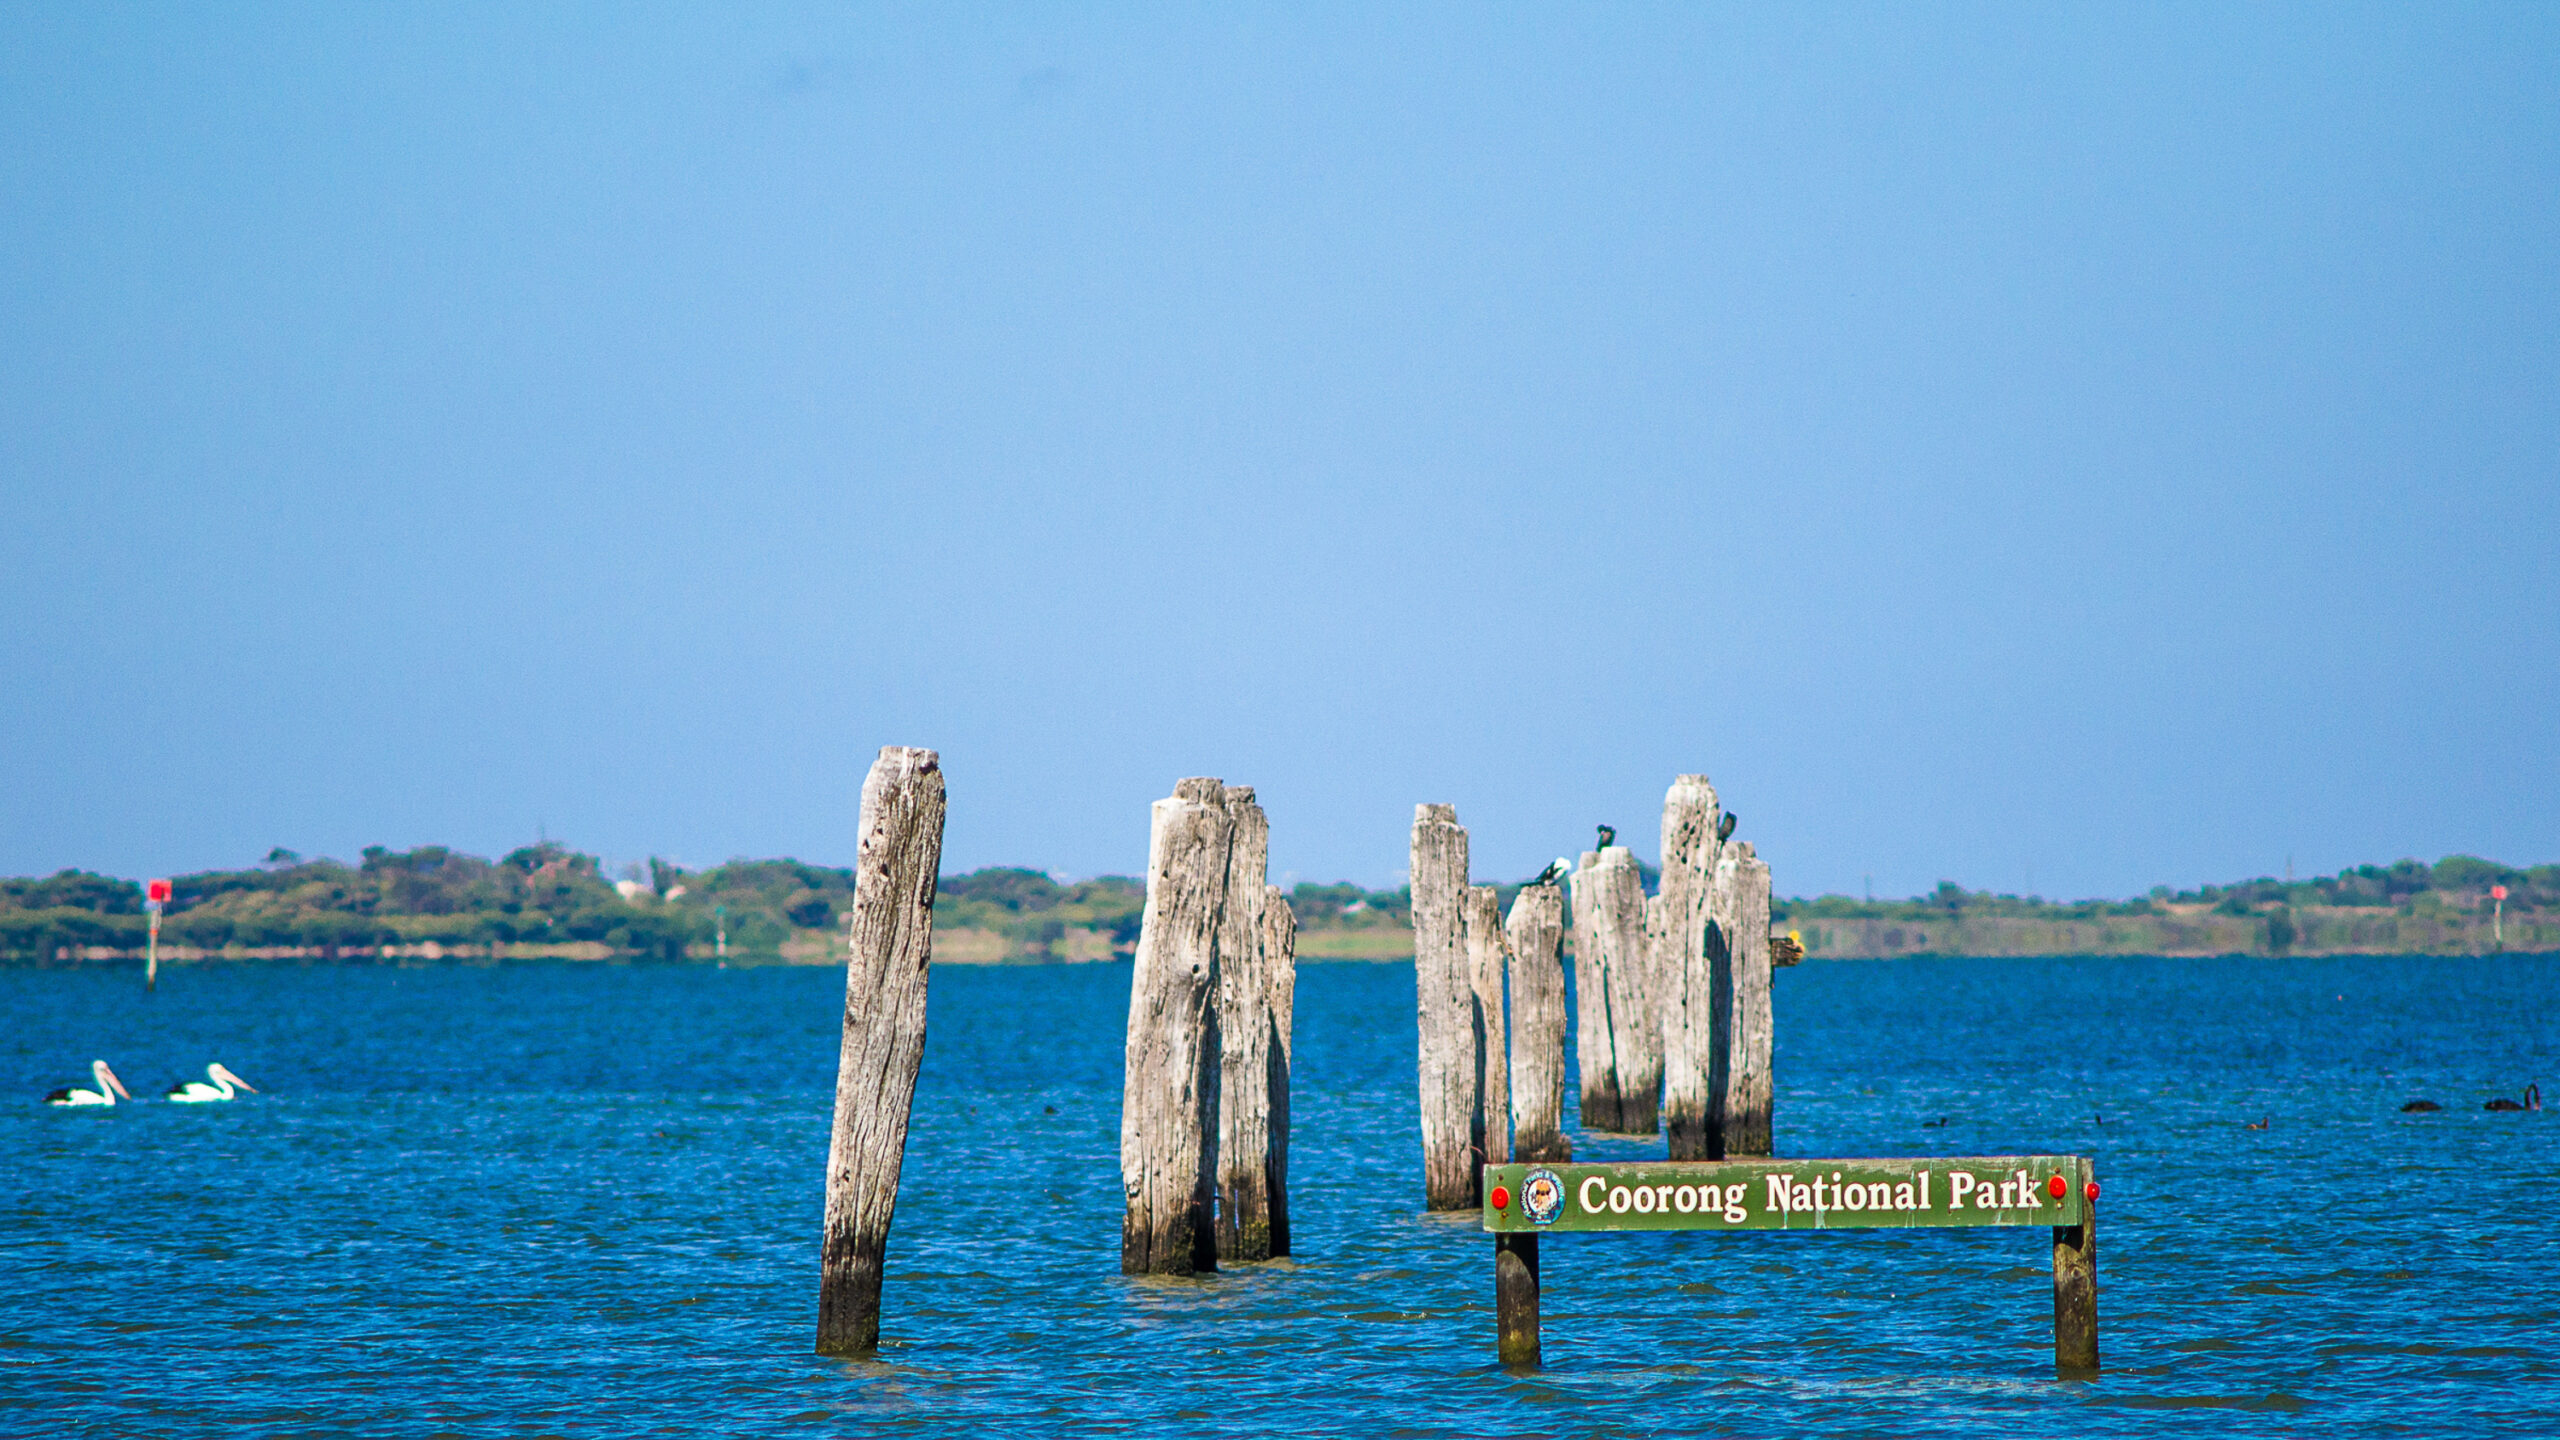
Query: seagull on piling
x=1608, y=837
x=1556, y=870
x=1724, y=827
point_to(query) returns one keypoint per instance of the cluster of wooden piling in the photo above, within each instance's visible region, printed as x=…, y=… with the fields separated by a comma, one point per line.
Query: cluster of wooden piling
x=1674, y=1024
x=1204, y=1107
x=1675, y=1034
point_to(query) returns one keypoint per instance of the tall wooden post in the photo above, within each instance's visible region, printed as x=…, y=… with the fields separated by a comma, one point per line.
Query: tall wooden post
x=1244, y=1039
x=896, y=864
x=1595, y=1043
x=1738, y=950
x=1515, y=1298
x=1280, y=973
x=1444, y=1002
x=1536, y=930
x=1690, y=850
x=1751, y=1102
x=1168, y=1097
x=1488, y=965
x=1635, y=1024
x=2075, y=1293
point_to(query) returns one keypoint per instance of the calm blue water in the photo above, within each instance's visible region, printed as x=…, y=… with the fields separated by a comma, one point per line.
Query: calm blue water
x=574, y=1200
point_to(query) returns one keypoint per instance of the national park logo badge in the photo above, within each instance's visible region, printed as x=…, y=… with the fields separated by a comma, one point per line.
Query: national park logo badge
x=1542, y=1197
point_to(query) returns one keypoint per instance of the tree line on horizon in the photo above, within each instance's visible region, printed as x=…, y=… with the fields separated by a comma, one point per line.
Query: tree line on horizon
x=547, y=893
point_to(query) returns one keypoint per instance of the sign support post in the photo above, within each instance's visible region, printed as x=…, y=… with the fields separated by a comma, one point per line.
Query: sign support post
x=1515, y=1299
x=2075, y=1294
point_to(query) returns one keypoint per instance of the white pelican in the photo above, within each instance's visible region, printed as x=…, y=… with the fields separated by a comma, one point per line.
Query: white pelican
x=196, y=1092
x=109, y=1087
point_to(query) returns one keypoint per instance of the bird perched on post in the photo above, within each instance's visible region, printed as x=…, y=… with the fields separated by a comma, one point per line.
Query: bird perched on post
x=1608, y=837
x=1556, y=870
x=1786, y=949
x=1724, y=827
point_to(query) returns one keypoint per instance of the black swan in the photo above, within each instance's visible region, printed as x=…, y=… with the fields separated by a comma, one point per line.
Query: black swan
x=2532, y=1101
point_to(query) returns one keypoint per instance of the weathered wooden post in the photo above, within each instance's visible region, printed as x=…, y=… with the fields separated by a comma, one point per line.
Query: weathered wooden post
x=1595, y=1043
x=1168, y=1097
x=897, y=861
x=1738, y=949
x=1280, y=971
x=2075, y=1290
x=1536, y=930
x=1444, y=1002
x=1690, y=850
x=1244, y=1039
x=1634, y=1022
x=1488, y=962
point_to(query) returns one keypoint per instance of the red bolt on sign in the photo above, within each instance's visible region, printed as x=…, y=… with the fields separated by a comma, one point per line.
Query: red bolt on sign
x=157, y=892
x=1501, y=1198
x=2057, y=1187
x=2092, y=1191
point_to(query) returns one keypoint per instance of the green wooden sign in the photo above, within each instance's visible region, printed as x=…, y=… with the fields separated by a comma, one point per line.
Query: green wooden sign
x=1787, y=1194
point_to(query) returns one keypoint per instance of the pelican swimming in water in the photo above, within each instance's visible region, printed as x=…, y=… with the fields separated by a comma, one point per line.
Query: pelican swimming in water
x=196, y=1092
x=109, y=1087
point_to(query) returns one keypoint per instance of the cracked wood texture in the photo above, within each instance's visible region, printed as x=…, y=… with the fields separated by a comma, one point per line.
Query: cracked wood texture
x=890, y=949
x=1626, y=990
x=1280, y=974
x=1168, y=1098
x=1594, y=1043
x=1738, y=951
x=1244, y=1039
x=1536, y=931
x=1488, y=964
x=1444, y=1002
x=1690, y=851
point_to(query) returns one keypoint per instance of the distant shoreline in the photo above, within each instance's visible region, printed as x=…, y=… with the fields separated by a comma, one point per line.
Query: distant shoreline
x=1895, y=940
x=548, y=902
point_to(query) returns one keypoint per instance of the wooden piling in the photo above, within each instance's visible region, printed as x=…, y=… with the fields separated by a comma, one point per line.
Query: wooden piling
x=898, y=860
x=1280, y=974
x=1689, y=854
x=1739, y=1078
x=1595, y=1045
x=1515, y=1299
x=2075, y=1294
x=1488, y=966
x=1244, y=1039
x=1168, y=1098
x=1536, y=931
x=1634, y=1023
x=1444, y=1002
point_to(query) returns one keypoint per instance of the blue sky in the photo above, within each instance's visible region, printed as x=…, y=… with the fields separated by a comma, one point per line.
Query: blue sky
x=2041, y=447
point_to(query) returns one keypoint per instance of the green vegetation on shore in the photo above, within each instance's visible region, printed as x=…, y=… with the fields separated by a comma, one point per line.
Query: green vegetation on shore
x=547, y=899
x=2407, y=907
